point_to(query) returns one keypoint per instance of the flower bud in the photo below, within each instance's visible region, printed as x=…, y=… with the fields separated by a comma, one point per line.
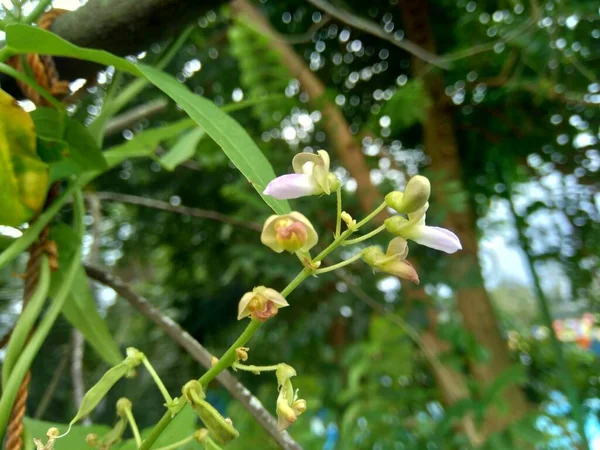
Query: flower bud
x=241, y=353
x=291, y=232
x=393, y=261
x=123, y=405
x=333, y=181
x=92, y=440
x=299, y=406
x=416, y=195
x=397, y=225
x=372, y=254
x=222, y=429
x=261, y=304
x=348, y=220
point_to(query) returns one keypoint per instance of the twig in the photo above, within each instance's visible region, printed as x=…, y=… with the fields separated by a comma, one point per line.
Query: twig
x=184, y=210
x=77, y=369
x=199, y=353
x=52, y=385
x=134, y=115
x=372, y=28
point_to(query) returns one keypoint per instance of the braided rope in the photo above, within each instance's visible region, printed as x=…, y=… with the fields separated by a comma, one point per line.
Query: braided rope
x=45, y=74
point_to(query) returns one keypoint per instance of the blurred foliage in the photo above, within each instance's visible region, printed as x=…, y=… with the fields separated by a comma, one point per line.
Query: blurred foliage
x=527, y=122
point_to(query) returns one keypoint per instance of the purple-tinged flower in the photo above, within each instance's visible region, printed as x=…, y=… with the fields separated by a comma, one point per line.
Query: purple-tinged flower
x=261, y=304
x=311, y=177
x=291, y=232
x=414, y=228
x=393, y=261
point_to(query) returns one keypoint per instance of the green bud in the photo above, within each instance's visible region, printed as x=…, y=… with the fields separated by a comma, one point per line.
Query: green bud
x=123, y=405
x=416, y=195
x=221, y=428
x=396, y=225
x=372, y=254
x=333, y=181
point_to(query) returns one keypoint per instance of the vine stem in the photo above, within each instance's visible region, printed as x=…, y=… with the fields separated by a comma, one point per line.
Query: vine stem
x=339, y=265
x=229, y=358
x=365, y=237
x=254, y=369
x=338, y=222
x=133, y=425
x=177, y=445
x=157, y=381
x=37, y=11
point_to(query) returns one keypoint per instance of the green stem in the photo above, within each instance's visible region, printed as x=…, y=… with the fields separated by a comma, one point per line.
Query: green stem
x=37, y=11
x=254, y=369
x=370, y=216
x=365, y=237
x=339, y=265
x=338, y=222
x=157, y=381
x=226, y=361
x=565, y=374
x=5, y=53
x=31, y=234
x=134, y=428
x=335, y=244
x=4, y=68
x=18, y=338
x=10, y=390
x=177, y=445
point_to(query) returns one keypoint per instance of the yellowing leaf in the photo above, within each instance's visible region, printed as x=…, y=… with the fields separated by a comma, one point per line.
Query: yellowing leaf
x=23, y=175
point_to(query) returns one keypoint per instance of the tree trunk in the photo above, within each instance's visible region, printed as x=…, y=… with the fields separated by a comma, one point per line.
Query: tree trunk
x=473, y=302
x=337, y=128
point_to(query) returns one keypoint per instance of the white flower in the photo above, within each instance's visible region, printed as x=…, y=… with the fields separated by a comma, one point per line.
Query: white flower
x=311, y=177
x=414, y=228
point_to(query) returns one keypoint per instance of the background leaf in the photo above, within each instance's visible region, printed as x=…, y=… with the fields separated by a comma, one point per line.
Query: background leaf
x=183, y=149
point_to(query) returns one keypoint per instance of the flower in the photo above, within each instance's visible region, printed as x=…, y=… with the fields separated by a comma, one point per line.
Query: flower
x=311, y=177
x=415, y=196
x=414, y=228
x=261, y=304
x=290, y=232
x=393, y=261
x=289, y=406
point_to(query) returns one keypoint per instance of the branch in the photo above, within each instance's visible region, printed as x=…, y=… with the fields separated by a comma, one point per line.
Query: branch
x=372, y=28
x=134, y=115
x=199, y=353
x=184, y=210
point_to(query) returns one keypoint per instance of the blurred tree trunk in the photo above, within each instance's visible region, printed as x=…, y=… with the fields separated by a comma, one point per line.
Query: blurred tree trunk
x=345, y=144
x=473, y=302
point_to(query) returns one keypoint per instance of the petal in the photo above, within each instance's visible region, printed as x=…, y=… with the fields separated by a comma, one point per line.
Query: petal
x=398, y=247
x=312, y=237
x=243, y=305
x=402, y=269
x=268, y=235
x=302, y=158
x=436, y=238
x=291, y=186
x=273, y=295
x=325, y=161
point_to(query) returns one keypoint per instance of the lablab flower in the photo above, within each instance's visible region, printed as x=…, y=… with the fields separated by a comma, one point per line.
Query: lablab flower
x=393, y=261
x=289, y=406
x=291, y=232
x=261, y=304
x=414, y=229
x=311, y=177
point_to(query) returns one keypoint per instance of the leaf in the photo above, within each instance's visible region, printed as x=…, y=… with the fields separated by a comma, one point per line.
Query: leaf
x=23, y=175
x=183, y=149
x=225, y=131
x=28, y=39
x=67, y=142
x=145, y=142
x=74, y=440
x=80, y=309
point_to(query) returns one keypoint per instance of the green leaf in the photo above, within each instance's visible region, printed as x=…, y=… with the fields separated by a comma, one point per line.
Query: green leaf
x=68, y=142
x=144, y=143
x=28, y=39
x=80, y=309
x=225, y=131
x=183, y=149
x=75, y=438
